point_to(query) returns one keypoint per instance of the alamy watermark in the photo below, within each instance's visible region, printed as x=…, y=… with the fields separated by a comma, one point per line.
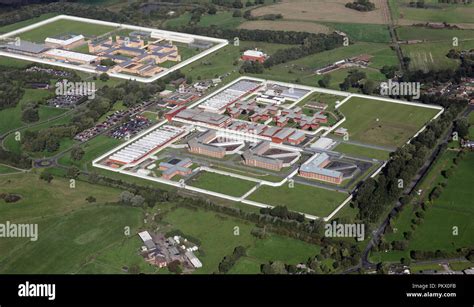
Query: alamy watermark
x=335, y=230
x=68, y=88
x=12, y=230
x=392, y=88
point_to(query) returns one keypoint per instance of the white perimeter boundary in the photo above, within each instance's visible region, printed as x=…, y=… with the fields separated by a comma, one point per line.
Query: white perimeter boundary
x=262, y=182
x=220, y=43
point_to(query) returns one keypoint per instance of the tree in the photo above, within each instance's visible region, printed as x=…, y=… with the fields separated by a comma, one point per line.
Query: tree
x=46, y=176
x=30, y=115
x=368, y=87
x=212, y=10
x=104, y=77
x=325, y=81
x=237, y=13
x=77, y=153
x=461, y=126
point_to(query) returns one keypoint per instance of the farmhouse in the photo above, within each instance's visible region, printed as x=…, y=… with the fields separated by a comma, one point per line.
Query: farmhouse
x=314, y=168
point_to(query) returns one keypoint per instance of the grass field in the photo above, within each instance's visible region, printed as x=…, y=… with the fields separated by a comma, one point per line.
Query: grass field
x=363, y=32
x=453, y=208
x=306, y=199
x=11, y=118
x=222, y=19
x=334, y=10
x=93, y=149
x=471, y=123
x=13, y=145
x=383, y=123
x=221, y=183
x=284, y=25
x=21, y=24
x=63, y=27
x=427, y=34
x=436, y=12
x=4, y=169
x=216, y=233
x=359, y=151
x=426, y=56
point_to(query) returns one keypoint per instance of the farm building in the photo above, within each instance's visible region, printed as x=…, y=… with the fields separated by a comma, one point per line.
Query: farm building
x=254, y=56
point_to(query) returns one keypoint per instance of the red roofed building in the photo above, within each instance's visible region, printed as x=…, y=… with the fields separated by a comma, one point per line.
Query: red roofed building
x=254, y=56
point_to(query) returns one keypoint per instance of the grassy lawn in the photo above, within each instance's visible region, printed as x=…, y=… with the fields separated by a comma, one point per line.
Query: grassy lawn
x=221, y=184
x=396, y=122
x=301, y=198
x=471, y=123
x=63, y=27
x=11, y=118
x=93, y=149
x=359, y=151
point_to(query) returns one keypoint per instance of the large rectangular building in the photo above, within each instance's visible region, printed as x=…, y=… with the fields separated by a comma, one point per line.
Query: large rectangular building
x=314, y=168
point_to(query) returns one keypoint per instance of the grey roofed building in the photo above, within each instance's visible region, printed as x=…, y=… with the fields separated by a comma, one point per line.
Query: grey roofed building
x=150, y=245
x=256, y=154
x=314, y=166
x=24, y=47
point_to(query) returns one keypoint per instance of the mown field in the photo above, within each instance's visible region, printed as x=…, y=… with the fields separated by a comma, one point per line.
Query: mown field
x=383, y=123
x=221, y=184
x=60, y=27
x=359, y=151
x=302, y=198
x=427, y=34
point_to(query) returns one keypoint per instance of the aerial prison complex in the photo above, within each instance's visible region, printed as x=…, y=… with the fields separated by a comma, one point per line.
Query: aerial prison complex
x=140, y=54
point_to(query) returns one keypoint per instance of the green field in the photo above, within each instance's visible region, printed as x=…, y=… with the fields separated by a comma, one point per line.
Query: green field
x=383, y=123
x=221, y=183
x=222, y=19
x=432, y=56
x=11, y=118
x=93, y=149
x=4, y=169
x=21, y=24
x=437, y=12
x=471, y=127
x=359, y=151
x=302, y=198
x=359, y=32
x=453, y=208
x=216, y=233
x=60, y=27
x=12, y=144
x=427, y=34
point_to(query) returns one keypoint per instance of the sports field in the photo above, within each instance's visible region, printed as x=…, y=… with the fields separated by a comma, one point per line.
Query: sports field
x=383, y=123
x=426, y=56
x=302, y=198
x=60, y=27
x=221, y=183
